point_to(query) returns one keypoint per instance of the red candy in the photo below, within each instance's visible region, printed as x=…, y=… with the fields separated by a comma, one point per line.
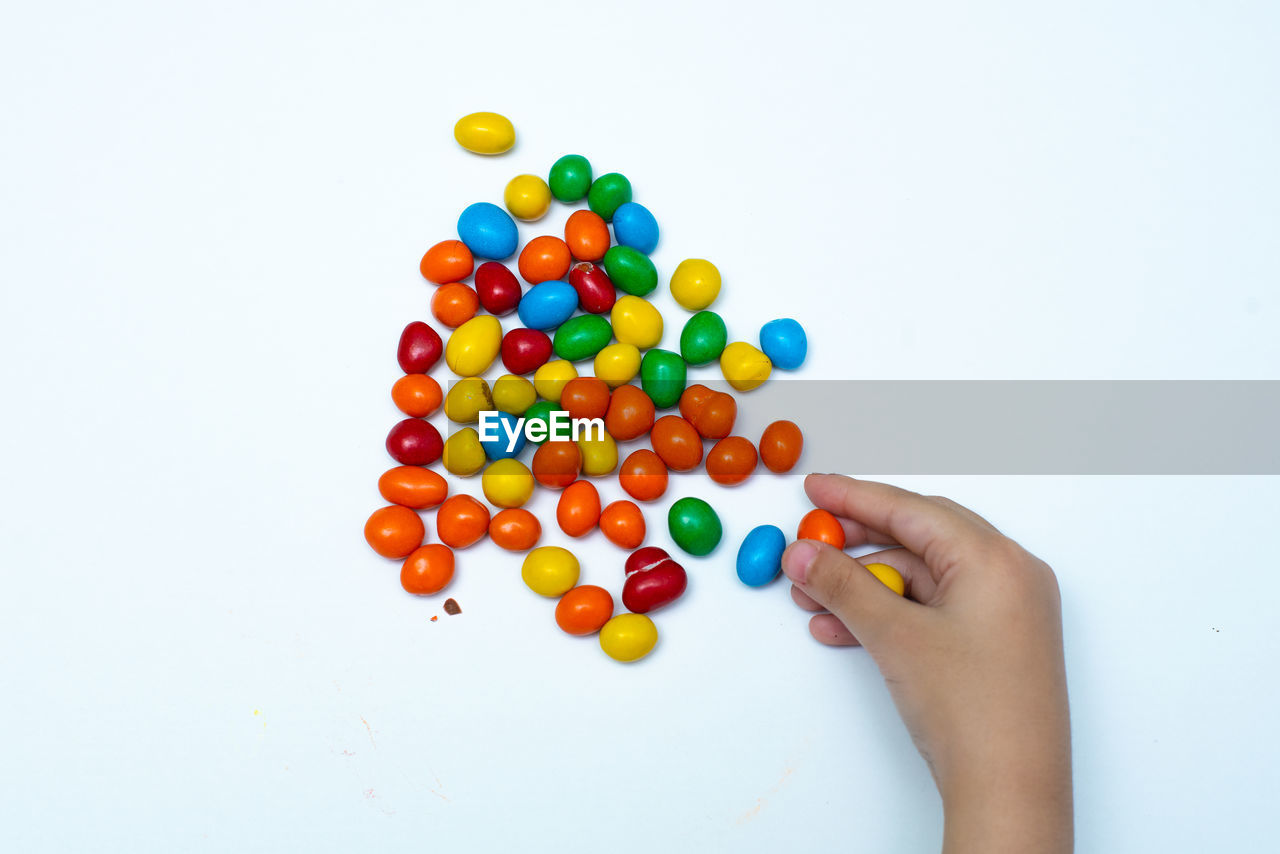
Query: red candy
x=498, y=288
x=525, y=350
x=414, y=442
x=653, y=580
x=596, y=293
x=420, y=348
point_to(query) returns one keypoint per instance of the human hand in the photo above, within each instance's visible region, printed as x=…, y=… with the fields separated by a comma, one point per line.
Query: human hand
x=972, y=655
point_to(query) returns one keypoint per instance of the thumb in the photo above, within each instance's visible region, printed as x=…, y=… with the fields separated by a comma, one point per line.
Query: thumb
x=844, y=587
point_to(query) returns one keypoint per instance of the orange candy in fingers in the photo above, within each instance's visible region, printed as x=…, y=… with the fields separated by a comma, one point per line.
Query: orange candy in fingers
x=823, y=526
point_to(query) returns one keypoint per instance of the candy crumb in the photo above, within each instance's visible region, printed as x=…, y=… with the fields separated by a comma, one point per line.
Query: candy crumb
x=451, y=607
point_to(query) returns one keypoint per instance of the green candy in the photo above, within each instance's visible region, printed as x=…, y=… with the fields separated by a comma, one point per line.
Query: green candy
x=694, y=526
x=570, y=178
x=703, y=338
x=630, y=271
x=662, y=376
x=540, y=411
x=582, y=337
x=607, y=194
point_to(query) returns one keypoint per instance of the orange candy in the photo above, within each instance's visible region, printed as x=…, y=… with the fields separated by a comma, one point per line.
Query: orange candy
x=416, y=394
x=447, y=261
x=583, y=610
x=711, y=412
x=780, y=446
x=823, y=526
x=676, y=442
x=394, y=531
x=557, y=463
x=630, y=414
x=461, y=520
x=731, y=460
x=644, y=475
x=586, y=235
x=623, y=524
x=585, y=397
x=427, y=570
x=543, y=259
x=413, y=486
x=579, y=508
x=515, y=529
x=454, y=304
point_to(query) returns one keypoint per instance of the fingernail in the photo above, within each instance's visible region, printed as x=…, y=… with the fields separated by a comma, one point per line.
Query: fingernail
x=797, y=559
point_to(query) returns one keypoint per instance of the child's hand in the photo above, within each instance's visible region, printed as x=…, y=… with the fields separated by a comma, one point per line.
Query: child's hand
x=972, y=657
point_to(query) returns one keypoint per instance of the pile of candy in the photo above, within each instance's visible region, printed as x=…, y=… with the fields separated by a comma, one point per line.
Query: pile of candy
x=586, y=304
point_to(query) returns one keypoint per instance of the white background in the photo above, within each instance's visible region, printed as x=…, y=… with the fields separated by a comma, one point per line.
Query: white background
x=212, y=219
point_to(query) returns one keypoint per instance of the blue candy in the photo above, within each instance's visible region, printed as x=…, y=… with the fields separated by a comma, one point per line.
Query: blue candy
x=784, y=342
x=495, y=438
x=488, y=231
x=760, y=555
x=634, y=226
x=548, y=304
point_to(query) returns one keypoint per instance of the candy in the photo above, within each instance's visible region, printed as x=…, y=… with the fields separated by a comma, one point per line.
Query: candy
x=463, y=454
x=760, y=555
x=547, y=305
x=711, y=412
x=473, y=346
x=676, y=442
x=515, y=529
x=557, y=463
x=731, y=460
x=634, y=226
x=461, y=521
x=585, y=397
x=550, y=571
x=525, y=350
x=416, y=394
x=784, y=342
x=488, y=231
x=543, y=259
x=694, y=526
x=552, y=377
x=513, y=394
x=413, y=486
x=889, y=577
x=823, y=526
x=501, y=435
x=662, y=376
x=617, y=364
x=414, y=442
x=582, y=337
x=507, y=483
x=420, y=348
x=467, y=398
x=780, y=446
x=428, y=570
x=394, y=531
x=643, y=475
x=599, y=452
x=608, y=193
x=584, y=609
x=630, y=271
x=497, y=288
x=578, y=509
x=636, y=321
x=630, y=413
x=596, y=293
x=447, y=261
x=570, y=178
x=653, y=580
x=695, y=284
x=539, y=413
x=622, y=523
x=527, y=197
x=628, y=637
x=454, y=304
x=744, y=366
x=485, y=133
x=703, y=338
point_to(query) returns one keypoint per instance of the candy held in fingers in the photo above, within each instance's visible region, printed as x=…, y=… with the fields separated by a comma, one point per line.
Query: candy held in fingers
x=889, y=577
x=760, y=555
x=653, y=580
x=414, y=442
x=394, y=531
x=419, y=349
x=429, y=569
x=823, y=526
x=550, y=571
x=583, y=610
x=447, y=261
x=628, y=637
x=694, y=526
x=461, y=521
x=485, y=133
x=488, y=231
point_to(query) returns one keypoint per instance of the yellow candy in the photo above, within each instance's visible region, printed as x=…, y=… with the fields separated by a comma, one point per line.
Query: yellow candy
x=744, y=366
x=507, y=483
x=550, y=571
x=527, y=197
x=695, y=284
x=889, y=577
x=463, y=454
x=473, y=346
x=599, y=452
x=551, y=378
x=513, y=394
x=617, y=364
x=466, y=399
x=628, y=637
x=636, y=321
x=485, y=133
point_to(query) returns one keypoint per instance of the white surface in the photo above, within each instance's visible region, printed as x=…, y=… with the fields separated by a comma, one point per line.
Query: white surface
x=211, y=228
